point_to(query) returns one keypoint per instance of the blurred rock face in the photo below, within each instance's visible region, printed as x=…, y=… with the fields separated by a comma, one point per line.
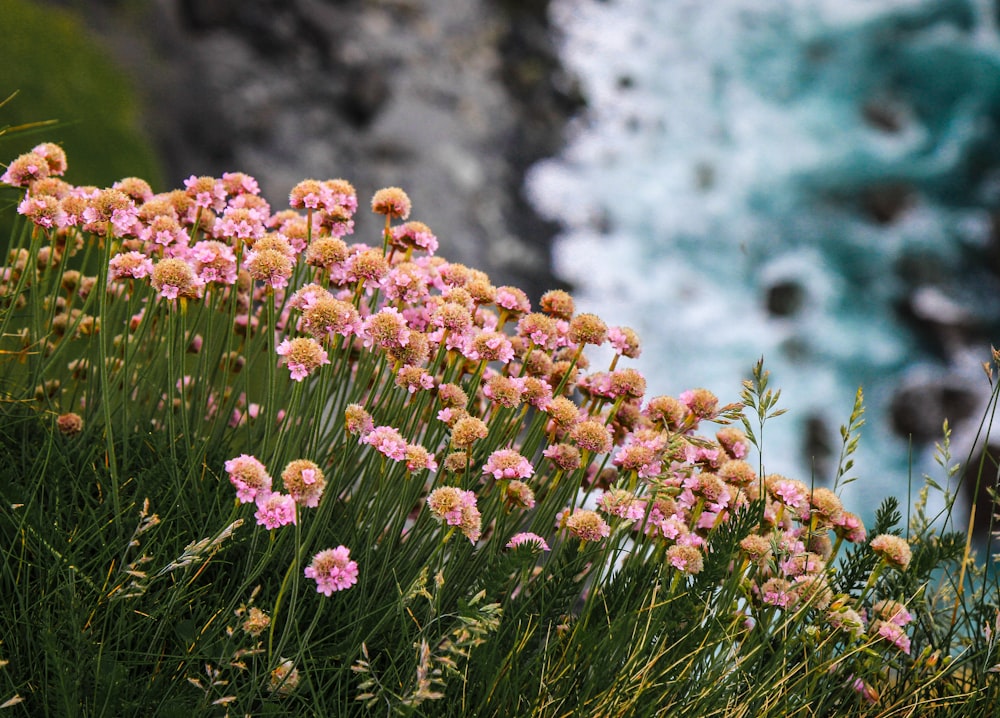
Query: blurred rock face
x=450, y=99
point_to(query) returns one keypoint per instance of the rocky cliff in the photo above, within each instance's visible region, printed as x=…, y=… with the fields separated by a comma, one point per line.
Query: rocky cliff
x=450, y=99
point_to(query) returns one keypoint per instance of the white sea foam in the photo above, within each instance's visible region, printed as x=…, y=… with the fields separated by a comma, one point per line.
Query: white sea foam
x=717, y=156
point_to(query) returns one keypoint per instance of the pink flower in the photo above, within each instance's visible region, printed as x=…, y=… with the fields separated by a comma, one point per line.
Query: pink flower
x=490, y=346
x=508, y=464
x=587, y=525
x=624, y=341
x=639, y=458
x=565, y=456
x=778, y=592
x=274, y=510
x=304, y=481
x=25, y=169
x=237, y=183
x=685, y=558
x=125, y=221
x=850, y=527
x=894, y=550
x=214, y=262
x=333, y=570
x=271, y=266
x=419, y=459
x=249, y=477
x=310, y=194
x=207, y=192
x=700, y=402
x=621, y=503
x=513, y=300
x=55, y=156
x=304, y=355
x=44, y=210
x=894, y=633
x=518, y=494
x=893, y=611
x=133, y=265
x=245, y=224
x=357, y=421
x=456, y=507
x=414, y=234
x=164, y=230
x=174, y=278
x=388, y=441
x=528, y=538
x=387, y=328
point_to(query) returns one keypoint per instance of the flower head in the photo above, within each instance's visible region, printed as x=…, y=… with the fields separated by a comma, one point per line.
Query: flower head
x=304, y=481
x=303, y=355
x=621, y=503
x=685, y=558
x=130, y=265
x=326, y=252
x=529, y=538
x=388, y=441
x=892, y=549
x=310, y=194
x=514, y=300
x=587, y=329
x=249, y=477
x=518, y=494
x=274, y=510
x=419, y=459
x=26, y=169
x=414, y=235
x=456, y=507
x=565, y=456
x=508, y=464
x=892, y=611
x=214, y=261
x=778, y=592
x=207, y=192
x=357, y=421
x=333, y=570
x=386, y=328
x=256, y=622
x=393, y=202
x=587, y=525
x=43, y=210
x=491, y=346
x=893, y=633
x=55, y=157
x=592, y=435
x=173, y=278
x=284, y=679
x=325, y=315
x=271, y=266
x=467, y=431
x=850, y=527
x=558, y=304
x=700, y=402
x=69, y=424
x=625, y=341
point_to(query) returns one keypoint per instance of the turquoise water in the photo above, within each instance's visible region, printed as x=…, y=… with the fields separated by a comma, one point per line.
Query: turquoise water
x=835, y=147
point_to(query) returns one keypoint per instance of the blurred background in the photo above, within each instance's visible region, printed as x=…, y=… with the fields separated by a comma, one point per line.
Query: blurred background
x=812, y=181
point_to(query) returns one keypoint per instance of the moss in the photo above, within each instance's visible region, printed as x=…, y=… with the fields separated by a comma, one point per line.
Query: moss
x=61, y=72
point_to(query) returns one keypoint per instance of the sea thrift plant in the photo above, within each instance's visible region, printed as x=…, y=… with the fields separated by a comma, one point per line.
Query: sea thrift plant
x=619, y=553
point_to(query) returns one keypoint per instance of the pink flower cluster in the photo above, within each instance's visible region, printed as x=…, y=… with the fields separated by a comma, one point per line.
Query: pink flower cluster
x=303, y=480
x=333, y=570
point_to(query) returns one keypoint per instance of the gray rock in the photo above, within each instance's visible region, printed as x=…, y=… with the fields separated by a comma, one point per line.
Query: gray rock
x=450, y=99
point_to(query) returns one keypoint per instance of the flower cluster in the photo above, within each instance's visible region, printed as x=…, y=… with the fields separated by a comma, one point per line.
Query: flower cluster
x=423, y=391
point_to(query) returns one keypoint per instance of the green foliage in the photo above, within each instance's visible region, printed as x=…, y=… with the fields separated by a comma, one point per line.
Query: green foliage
x=61, y=73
